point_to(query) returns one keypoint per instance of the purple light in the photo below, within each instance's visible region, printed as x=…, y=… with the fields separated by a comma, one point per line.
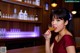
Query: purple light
x=21, y=34
x=18, y=34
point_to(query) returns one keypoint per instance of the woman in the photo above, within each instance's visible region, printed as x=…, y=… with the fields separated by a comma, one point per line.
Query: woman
x=63, y=42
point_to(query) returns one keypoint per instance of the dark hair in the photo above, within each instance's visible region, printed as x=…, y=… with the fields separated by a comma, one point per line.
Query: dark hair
x=61, y=13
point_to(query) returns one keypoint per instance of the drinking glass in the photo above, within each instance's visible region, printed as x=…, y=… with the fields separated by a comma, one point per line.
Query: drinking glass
x=50, y=27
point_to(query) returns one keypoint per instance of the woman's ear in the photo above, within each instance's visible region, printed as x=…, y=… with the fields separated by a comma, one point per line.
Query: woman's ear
x=66, y=22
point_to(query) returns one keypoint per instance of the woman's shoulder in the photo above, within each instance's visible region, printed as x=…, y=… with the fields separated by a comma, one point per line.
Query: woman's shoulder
x=68, y=34
x=68, y=40
x=68, y=37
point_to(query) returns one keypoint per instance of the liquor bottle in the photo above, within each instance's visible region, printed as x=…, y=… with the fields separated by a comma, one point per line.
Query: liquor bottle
x=15, y=13
x=38, y=2
x=25, y=15
x=20, y=16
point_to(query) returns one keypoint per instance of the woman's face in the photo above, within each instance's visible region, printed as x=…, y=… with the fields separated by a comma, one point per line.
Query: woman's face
x=58, y=24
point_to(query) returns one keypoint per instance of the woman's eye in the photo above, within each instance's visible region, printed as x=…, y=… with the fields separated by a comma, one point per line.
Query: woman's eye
x=58, y=20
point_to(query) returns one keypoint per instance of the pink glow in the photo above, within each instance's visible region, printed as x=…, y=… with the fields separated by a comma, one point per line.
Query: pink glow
x=21, y=34
x=16, y=33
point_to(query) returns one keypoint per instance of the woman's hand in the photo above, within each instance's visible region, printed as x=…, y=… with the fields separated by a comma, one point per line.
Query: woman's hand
x=47, y=35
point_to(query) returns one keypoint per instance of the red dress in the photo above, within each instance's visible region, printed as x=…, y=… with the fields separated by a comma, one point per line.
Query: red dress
x=60, y=47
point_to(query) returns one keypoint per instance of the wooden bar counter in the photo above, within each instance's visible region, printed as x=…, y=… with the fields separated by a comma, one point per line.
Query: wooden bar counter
x=35, y=49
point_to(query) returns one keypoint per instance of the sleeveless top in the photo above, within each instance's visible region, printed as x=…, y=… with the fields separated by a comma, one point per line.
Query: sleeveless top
x=60, y=47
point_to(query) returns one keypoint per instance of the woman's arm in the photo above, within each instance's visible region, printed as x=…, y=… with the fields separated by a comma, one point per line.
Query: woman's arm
x=47, y=46
x=69, y=44
x=70, y=49
x=52, y=48
x=47, y=37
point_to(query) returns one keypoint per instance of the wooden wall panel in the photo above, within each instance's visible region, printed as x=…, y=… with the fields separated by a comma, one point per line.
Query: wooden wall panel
x=17, y=25
x=76, y=22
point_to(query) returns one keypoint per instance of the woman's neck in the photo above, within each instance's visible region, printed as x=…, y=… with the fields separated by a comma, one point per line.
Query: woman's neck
x=63, y=32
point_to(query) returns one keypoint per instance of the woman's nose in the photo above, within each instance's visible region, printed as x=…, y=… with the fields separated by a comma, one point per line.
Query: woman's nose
x=53, y=22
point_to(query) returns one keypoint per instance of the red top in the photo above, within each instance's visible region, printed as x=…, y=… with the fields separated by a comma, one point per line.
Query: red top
x=60, y=47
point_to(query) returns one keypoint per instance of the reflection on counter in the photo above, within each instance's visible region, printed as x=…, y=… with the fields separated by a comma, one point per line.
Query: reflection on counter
x=17, y=33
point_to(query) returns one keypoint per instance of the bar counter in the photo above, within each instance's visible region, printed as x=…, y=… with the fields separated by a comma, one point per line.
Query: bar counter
x=35, y=49
x=33, y=45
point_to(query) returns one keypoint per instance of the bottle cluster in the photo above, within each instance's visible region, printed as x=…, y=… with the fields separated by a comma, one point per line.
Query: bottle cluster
x=22, y=15
x=34, y=2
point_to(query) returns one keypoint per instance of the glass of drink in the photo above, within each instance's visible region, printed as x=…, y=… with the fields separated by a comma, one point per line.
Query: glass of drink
x=50, y=27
